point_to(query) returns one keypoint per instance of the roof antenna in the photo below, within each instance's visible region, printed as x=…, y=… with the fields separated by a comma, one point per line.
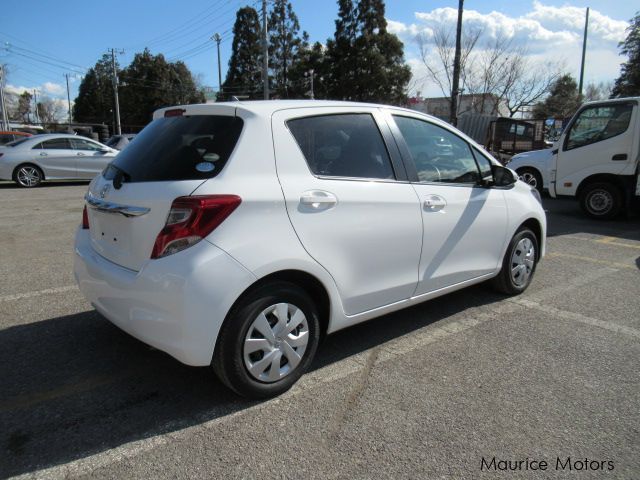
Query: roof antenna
x=235, y=99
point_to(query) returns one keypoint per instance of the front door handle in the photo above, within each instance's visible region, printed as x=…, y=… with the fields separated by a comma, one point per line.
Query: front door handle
x=44, y=154
x=619, y=156
x=318, y=199
x=434, y=203
x=80, y=154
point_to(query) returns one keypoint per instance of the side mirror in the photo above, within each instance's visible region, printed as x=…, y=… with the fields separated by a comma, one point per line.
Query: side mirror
x=503, y=176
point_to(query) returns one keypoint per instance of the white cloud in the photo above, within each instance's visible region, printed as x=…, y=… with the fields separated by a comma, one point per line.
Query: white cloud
x=548, y=33
x=53, y=88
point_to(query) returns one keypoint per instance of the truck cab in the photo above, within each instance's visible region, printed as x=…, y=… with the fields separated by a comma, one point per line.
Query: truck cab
x=596, y=158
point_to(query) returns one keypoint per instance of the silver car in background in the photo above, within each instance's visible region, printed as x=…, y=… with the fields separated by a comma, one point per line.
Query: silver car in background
x=30, y=161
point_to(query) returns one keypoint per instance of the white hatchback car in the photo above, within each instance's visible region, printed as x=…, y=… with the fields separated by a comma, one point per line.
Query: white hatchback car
x=237, y=234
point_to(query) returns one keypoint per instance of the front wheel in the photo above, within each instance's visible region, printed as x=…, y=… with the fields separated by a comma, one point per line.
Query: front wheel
x=28, y=176
x=268, y=341
x=519, y=263
x=602, y=201
x=531, y=177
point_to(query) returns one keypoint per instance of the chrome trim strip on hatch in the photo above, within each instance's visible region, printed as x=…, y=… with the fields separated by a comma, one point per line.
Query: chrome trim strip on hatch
x=110, y=207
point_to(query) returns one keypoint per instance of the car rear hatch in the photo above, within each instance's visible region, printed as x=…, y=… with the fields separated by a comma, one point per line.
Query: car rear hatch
x=129, y=203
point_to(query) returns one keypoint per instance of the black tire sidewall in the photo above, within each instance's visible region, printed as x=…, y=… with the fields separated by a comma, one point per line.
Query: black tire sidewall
x=616, y=197
x=228, y=359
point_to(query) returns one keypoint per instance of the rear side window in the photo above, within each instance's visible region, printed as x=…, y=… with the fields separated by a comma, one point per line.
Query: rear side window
x=80, y=144
x=55, y=144
x=345, y=145
x=178, y=148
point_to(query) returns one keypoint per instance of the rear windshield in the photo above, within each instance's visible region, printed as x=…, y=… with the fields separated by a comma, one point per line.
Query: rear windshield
x=178, y=148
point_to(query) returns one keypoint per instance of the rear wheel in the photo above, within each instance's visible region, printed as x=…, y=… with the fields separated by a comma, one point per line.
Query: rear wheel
x=531, y=176
x=601, y=201
x=268, y=341
x=519, y=263
x=28, y=176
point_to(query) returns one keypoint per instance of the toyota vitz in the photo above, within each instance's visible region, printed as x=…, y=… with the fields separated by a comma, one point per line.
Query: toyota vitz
x=237, y=234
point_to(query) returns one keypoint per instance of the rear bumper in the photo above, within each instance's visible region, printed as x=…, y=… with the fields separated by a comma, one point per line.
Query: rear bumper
x=175, y=304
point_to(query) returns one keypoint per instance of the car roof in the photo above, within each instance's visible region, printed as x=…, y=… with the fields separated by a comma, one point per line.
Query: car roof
x=265, y=108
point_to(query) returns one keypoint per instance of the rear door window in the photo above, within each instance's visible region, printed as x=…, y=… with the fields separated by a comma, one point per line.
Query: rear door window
x=178, y=148
x=81, y=144
x=55, y=144
x=344, y=145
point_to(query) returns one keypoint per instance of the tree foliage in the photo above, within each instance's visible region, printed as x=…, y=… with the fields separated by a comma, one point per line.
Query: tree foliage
x=244, y=75
x=562, y=102
x=366, y=61
x=628, y=83
x=94, y=103
x=148, y=83
x=285, y=48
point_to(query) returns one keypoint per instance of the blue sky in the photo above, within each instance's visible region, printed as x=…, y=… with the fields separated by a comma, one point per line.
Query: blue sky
x=55, y=38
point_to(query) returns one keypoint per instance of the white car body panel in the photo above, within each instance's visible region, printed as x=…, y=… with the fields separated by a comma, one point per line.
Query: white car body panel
x=540, y=160
x=178, y=303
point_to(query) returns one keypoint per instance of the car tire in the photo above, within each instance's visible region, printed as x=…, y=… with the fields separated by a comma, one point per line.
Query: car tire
x=531, y=177
x=28, y=175
x=519, y=263
x=601, y=201
x=258, y=354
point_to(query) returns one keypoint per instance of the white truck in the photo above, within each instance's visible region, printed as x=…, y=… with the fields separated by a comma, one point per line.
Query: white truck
x=595, y=160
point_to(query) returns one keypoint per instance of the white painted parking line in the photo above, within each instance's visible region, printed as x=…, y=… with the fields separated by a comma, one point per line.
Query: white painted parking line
x=567, y=315
x=37, y=293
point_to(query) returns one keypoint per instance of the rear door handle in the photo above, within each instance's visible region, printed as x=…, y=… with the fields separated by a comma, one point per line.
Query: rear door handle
x=619, y=156
x=318, y=199
x=80, y=154
x=434, y=203
x=43, y=154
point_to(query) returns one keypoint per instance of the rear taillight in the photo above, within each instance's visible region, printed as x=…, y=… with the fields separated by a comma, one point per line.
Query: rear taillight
x=85, y=218
x=190, y=220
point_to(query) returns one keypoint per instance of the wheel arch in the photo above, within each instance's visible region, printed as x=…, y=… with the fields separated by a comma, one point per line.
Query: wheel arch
x=598, y=178
x=308, y=282
x=535, y=226
x=24, y=164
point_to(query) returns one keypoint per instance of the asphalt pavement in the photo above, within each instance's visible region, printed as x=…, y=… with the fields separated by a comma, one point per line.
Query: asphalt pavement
x=457, y=387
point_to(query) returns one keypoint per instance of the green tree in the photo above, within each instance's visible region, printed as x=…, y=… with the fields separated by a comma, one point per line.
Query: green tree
x=628, y=83
x=285, y=44
x=367, y=62
x=94, y=103
x=341, y=53
x=149, y=83
x=311, y=61
x=22, y=109
x=244, y=76
x=562, y=102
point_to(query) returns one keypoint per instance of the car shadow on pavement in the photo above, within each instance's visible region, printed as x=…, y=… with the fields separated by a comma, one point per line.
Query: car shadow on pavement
x=15, y=186
x=565, y=218
x=76, y=385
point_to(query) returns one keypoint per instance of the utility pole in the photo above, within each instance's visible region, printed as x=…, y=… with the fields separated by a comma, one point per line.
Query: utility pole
x=3, y=104
x=453, y=115
x=584, y=52
x=114, y=79
x=310, y=74
x=35, y=103
x=66, y=75
x=265, y=52
x=217, y=39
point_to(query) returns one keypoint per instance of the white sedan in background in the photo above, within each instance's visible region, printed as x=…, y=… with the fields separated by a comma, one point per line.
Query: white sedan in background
x=30, y=161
